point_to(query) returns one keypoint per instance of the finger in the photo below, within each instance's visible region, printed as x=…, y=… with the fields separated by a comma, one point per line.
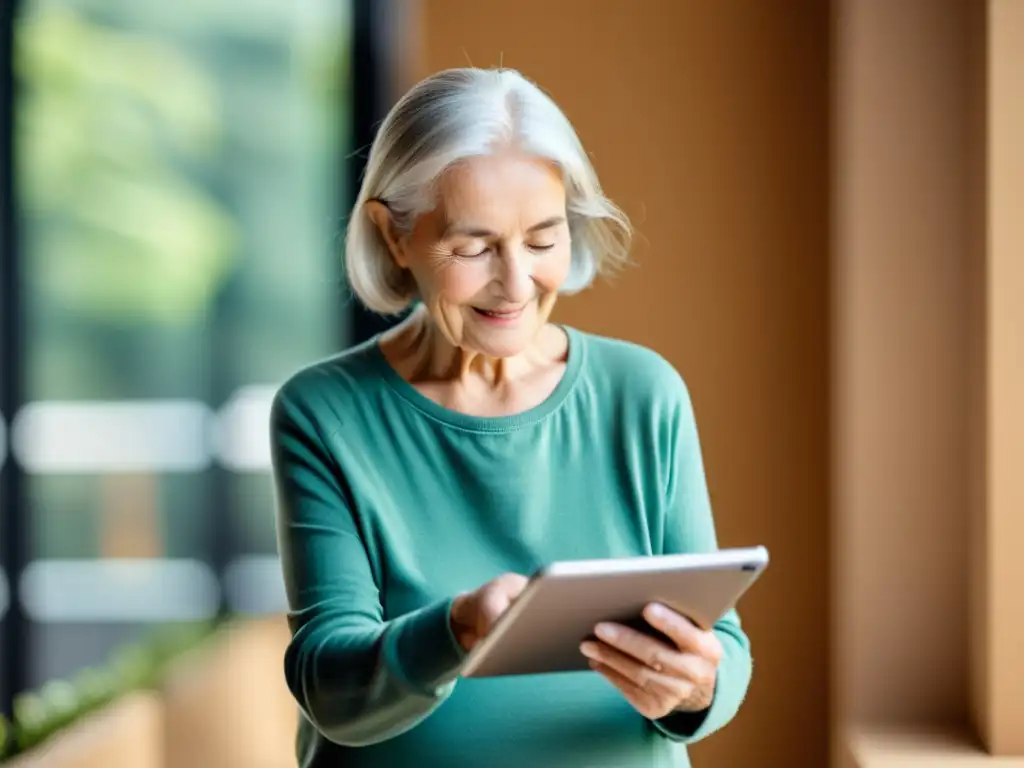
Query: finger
x=659, y=684
x=642, y=701
x=684, y=633
x=493, y=603
x=460, y=608
x=512, y=584
x=495, y=598
x=654, y=653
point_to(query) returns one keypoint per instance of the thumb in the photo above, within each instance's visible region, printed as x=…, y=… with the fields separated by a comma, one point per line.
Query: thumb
x=512, y=584
x=493, y=603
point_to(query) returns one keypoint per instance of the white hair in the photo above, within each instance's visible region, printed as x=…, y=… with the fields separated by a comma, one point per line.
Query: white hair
x=461, y=113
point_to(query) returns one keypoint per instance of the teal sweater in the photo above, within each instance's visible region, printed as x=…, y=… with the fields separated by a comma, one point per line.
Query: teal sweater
x=388, y=505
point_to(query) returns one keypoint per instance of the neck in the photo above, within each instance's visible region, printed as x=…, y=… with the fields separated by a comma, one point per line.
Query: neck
x=420, y=351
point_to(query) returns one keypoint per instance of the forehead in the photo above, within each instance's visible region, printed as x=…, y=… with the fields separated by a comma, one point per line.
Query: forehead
x=501, y=186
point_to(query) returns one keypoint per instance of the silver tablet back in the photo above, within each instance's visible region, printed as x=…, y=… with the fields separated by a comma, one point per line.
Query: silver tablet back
x=559, y=609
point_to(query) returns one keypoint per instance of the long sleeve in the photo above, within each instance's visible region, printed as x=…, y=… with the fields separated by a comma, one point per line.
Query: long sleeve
x=358, y=678
x=689, y=527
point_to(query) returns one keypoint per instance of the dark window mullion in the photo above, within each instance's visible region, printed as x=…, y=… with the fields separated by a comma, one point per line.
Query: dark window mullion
x=14, y=528
x=372, y=76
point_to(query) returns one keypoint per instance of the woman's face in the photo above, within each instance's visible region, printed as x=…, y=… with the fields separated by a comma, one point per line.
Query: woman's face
x=490, y=258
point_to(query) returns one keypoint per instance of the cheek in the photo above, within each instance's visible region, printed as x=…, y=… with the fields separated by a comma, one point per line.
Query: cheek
x=550, y=272
x=459, y=282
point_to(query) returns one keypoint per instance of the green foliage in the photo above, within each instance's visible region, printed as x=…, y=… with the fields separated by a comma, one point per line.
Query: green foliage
x=40, y=714
x=108, y=123
x=6, y=734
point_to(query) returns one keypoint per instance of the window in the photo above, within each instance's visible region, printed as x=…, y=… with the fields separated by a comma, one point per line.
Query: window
x=182, y=183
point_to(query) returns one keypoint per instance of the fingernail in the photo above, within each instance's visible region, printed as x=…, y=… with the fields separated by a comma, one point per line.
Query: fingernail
x=588, y=650
x=658, y=611
x=606, y=631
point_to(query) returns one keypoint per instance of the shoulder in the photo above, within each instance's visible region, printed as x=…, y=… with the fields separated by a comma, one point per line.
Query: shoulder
x=331, y=386
x=633, y=371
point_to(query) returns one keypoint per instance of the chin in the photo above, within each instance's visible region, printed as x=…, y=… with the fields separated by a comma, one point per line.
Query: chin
x=501, y=347
x=504, y=342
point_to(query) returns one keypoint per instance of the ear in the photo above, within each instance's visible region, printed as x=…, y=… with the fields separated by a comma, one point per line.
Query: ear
x=380, y=215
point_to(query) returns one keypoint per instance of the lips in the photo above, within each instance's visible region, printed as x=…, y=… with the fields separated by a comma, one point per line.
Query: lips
x=500, y=314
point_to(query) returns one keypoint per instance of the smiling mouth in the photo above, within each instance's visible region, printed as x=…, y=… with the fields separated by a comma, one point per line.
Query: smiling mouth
x=502, y=314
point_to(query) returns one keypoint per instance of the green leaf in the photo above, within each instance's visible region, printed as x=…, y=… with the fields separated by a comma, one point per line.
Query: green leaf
x=6, y=733
x=60, y=701
x=31, y=717
x=94, y=686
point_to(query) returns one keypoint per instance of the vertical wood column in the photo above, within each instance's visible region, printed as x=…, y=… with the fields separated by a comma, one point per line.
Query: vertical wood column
x=899, y=350
x=997, y=663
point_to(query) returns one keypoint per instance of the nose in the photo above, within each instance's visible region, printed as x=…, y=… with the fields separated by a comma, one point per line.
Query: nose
x=516, y=277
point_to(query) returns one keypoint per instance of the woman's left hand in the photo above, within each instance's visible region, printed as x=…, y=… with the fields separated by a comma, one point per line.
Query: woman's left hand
x=656, y=678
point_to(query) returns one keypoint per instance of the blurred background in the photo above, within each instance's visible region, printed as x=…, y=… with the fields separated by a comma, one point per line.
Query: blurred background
x=830, y=250
x=179, y=181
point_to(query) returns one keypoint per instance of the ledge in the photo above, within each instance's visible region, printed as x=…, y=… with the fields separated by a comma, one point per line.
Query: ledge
x=921, y=747
x=226, y=703
x=126, y=732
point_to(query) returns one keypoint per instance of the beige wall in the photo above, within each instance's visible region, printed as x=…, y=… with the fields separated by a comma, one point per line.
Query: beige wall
x=708, y=124
x=928, y=327
x=901, y=215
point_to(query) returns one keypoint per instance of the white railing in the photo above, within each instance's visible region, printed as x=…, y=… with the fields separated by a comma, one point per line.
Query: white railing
x=155, y=437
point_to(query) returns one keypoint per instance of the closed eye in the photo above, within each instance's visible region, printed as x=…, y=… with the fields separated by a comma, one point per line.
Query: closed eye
x=486, y=249
x=470, y=255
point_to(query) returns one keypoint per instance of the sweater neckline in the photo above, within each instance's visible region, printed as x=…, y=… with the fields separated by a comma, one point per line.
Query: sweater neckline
x=508, y=423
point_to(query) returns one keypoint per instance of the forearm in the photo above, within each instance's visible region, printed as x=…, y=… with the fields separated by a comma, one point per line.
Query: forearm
x=363, y=684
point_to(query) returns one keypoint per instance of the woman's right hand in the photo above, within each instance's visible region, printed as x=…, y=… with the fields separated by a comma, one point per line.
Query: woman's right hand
x=474, y=613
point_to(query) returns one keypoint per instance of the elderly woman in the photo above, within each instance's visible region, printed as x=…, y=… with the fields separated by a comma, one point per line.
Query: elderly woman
x=421, y=474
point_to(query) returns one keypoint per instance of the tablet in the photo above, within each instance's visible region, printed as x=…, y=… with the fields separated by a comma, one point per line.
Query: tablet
x=541, y=632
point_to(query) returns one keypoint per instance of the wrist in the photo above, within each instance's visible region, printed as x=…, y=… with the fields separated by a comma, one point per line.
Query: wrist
x=420, y=650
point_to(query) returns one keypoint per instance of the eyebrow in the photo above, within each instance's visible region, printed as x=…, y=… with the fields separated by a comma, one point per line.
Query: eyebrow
x=472, y=231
